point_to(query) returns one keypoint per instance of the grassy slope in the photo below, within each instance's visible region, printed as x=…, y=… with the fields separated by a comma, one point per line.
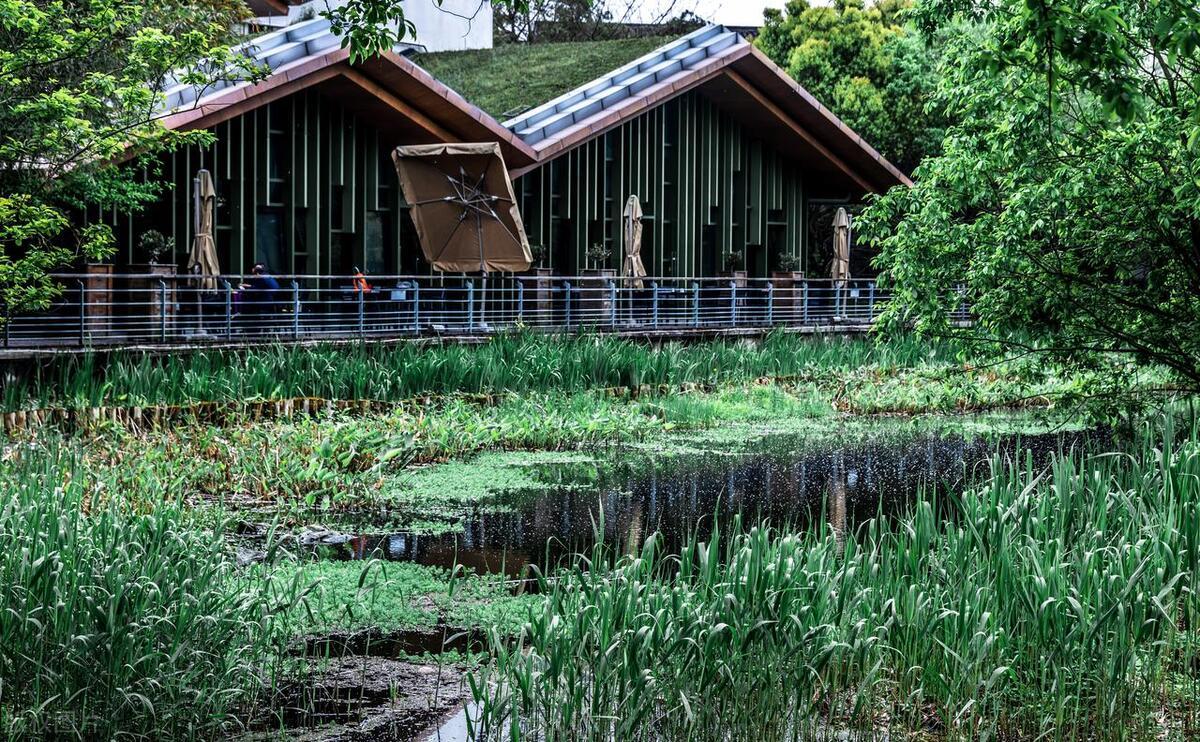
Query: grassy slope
x=520, y=76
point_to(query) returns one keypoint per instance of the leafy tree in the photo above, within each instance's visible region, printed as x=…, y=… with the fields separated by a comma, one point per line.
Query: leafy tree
x=533, y=21
x=78, y=90
x=1067, y=199
x=875, y=74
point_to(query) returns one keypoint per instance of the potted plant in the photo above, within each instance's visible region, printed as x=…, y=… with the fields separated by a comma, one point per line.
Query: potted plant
x=595, y=304
x=788, y=266
x=597, y=259
x=542, y=284
x=539, y=253
x=147, y=287
x=153, y=244
x=788, y=282
x=734, y=266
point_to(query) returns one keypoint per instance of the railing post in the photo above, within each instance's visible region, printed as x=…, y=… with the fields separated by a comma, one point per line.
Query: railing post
x=733, y=297
x=416, y=307
x=228, y=308
x=82, y=314
x=804, y=299
x=521, y=300
x=162, y=311
x=362, y=310
x=470, y=305
x=695, y=303
x=871, y=301
x=654, y=304
x=770, y=303
x=612, y=303
x=567, y=288
x=7, y=325
x=295, y=309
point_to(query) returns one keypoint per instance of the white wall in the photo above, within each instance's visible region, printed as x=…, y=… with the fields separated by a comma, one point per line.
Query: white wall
x=456, y=25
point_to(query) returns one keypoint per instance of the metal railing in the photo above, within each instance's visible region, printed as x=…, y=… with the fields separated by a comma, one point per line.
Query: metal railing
x=99, y=310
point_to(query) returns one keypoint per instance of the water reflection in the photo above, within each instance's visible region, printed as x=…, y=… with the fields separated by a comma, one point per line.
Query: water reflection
x=784, y=483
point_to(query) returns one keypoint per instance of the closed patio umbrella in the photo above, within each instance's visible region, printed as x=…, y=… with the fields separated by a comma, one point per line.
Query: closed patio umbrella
x=633, y=267
x=462, y=205
x=202, y=261
x=840, y=268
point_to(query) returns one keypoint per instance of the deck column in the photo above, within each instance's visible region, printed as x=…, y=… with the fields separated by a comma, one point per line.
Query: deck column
x=416, y=307
x=654, y=302
x=612, y=303
x=82, y=314
x=228, y=308
x=470, y=305
x=162, y=311
x=362, y=311
x=567, y=289
x=295, y=309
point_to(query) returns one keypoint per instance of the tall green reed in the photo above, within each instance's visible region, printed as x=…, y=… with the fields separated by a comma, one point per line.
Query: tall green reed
x=517, y=362
x=122, y=622
x=1056, y=603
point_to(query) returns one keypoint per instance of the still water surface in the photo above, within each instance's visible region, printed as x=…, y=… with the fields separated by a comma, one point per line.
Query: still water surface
x=783, y=480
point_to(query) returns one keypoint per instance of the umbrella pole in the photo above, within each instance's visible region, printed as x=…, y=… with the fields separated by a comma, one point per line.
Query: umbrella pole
x=482, y=269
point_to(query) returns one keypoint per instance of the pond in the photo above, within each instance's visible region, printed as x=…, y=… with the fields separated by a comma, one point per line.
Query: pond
x=629, y=493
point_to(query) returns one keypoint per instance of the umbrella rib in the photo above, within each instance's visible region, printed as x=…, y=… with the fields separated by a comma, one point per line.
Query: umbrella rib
x=462, y=217
x=505, y=227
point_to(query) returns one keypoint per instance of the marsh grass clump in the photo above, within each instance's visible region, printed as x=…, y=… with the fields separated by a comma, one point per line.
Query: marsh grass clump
x=121, y=622
x=1056, y=603
x=519, y=362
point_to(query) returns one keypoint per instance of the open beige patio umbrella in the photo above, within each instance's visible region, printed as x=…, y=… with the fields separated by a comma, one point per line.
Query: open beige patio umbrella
x=202, y=261
x=840, y=267
x=462, y=205
x=633, y=267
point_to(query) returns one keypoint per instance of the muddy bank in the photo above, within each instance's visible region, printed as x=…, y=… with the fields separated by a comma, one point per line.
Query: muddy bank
x=360, y=698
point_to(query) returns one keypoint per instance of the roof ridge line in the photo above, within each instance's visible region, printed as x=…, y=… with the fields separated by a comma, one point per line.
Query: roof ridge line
x=528, y=116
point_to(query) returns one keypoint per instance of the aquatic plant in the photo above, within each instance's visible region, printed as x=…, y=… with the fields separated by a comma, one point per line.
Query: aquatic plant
x=342, y=462
x=521, y=362
x=1057, y=603
x=121, y=623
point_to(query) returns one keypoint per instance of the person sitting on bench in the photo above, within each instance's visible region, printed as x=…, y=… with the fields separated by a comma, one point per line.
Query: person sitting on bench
x=262, y=291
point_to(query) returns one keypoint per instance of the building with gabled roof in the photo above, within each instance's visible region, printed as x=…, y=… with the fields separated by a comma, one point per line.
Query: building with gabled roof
x=724, y=150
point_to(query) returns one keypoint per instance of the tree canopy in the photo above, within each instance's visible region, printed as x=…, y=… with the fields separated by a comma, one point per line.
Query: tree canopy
x=1066, y=202
x=80, y=86
x=875, y=73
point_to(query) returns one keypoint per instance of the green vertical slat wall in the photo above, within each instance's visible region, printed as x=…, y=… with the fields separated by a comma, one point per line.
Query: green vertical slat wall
x=697, y=171
x=692, y=166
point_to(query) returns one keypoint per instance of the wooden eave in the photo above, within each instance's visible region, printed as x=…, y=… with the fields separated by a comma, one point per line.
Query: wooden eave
x=745, y=82
x=402, y=96
x=390, y=85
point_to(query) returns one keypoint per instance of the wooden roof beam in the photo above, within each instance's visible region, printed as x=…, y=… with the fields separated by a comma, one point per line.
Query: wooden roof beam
x=798, y=130
x=397, y=104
